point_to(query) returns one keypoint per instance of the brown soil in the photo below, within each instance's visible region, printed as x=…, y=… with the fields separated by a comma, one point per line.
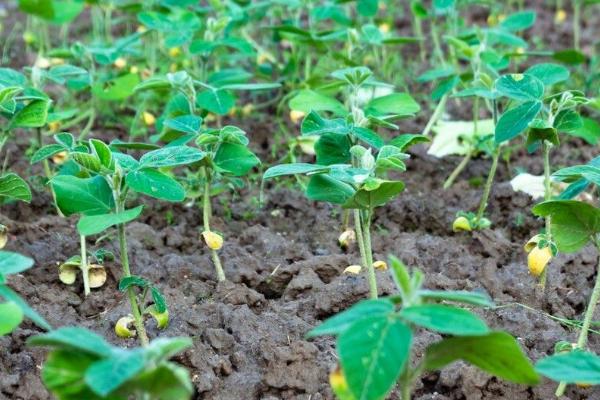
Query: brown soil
x=285, y=272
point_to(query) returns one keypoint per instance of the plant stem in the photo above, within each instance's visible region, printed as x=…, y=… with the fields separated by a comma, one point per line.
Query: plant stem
x=587, y=319
x=363, y=237
x=84, y=266
x=436, y=115
x=459, y=168
x=135, y=309
x=488, y=185
x=576, y=22
x=547, y=195
x=206, y=214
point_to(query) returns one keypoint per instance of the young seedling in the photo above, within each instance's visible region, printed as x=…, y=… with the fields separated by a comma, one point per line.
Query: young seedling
x=375, y=340
x=574, y=224
x=82, y=365
x=14, y=308
x=93, y=273
x=98, y=191
x=226, y=156
x=348, y=173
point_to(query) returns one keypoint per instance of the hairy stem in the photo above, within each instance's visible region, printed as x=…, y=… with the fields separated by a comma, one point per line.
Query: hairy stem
x=488, y=185
x=547, y=195
x=84, y=266
x=364, y=246
x=459, y=168
x=587, y=319
x=206, y=214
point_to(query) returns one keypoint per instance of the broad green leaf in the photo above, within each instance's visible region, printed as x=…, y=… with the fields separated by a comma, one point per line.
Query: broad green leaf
x=168, y=381
x=367, y=8
x=105, y=376
x=171, y=156
x=445, y=319
x=368, y=136
x=293, y=169
x=522, y=87
x=9, y=295
x=314, y=124
x=573, y=223
x=80, y=339
x=516, y=120
x=88, y=196
x=66, y=11
x=103, y=153
x=519, y=21
x=12, y=316
x=116, y=89
x=159, y=301
x=572, y=367
x=407, y=140
x=342, y=321
x=33, y=115
x=366, y=199
x=400, y=104
x=155, y=184
x=458, y=296
x=13, y=263
x=568, y=121
x=86, y=160
x=185, y=123
x=63, y=375
x=39, y=8
x=569, y=56
x=235, y=159
x=216, y=101
x=548, y=73
x=93, y=224
x=333, y=148
x=309, y=100
x=47, y=152
x=589, y=131
x=162, y=349
x=323, y=187
x=373, y=352
x=437, y=73
x=496, y=353
x=131, y=281
x=14, y=187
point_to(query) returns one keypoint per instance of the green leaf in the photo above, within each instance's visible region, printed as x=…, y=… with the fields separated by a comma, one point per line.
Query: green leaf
x=407, y=140
x=171, y=156
x=168, y=381
x=314, y=124
x=250, y=86
x=568, y=121
x=12, y=316
x=339, y=323
x=333, y=148
x=516, y=120
x=294, y=169
x=367, y=8
x=94, y=224
x=216, y=101
x=185, y=123
x=63, y=374
x=572, y=367
x=39, y=8
x=88, y=161
x=519, y=21
x=9, y=295
x=116, y=89
x=445, y=319
x=323, y=187
x=497, y=353
x=159, y=301
x=366, y=199
x=79, y=339
x=235, y=159
x=309, y=100
x=33, y=115
x=589, y=131
x=368, y=136
x=573, y=223
x=548, y=73
x=569, y=56
x=399, y=104
x=520, y=87
x=88, y=196
x=373, y=352
x=46, y=152
x=131, y=281
x=13, y=263
x=105, y=376
x=14, y=187
x=458, y=296
x=155, y=184
x=103, y=153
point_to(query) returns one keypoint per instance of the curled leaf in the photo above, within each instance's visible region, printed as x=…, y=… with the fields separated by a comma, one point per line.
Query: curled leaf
x=162, y=319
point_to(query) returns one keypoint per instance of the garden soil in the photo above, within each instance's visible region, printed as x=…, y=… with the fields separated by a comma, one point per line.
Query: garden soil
x=285, y=276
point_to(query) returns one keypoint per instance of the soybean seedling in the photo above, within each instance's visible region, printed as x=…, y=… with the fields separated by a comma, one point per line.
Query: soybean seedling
x=348, y=173
x=98, y=192
x=13, y=308
x=102, y=370
x=226, y=156
x=574, y=224
x=375, y=339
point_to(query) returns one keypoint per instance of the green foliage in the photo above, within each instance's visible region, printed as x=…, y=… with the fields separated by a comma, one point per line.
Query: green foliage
x=573, y=367
x=82, y=364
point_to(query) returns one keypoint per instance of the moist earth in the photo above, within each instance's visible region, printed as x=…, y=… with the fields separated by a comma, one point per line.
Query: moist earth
x=285, y=275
